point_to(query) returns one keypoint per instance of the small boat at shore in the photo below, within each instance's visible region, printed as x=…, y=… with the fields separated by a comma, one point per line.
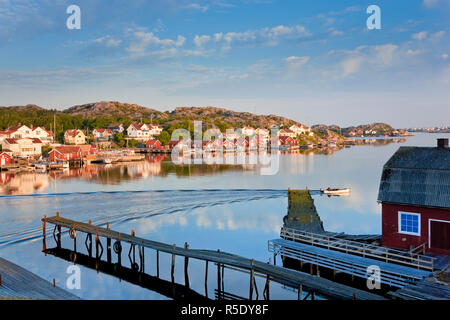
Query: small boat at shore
x=336, y=191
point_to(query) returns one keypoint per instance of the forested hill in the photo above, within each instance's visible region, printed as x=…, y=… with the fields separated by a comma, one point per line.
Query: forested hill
x=100, y=114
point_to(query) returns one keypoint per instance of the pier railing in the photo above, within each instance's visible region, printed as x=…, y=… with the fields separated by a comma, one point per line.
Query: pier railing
x=410, y=259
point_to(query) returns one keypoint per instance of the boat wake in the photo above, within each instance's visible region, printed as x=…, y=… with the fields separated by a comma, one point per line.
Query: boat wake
x=23, y=213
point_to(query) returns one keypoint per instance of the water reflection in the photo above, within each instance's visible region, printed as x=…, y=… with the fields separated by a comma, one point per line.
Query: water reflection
x=294, y=162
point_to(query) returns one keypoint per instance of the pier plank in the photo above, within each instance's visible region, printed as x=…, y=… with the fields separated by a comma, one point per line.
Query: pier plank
x=19, y=283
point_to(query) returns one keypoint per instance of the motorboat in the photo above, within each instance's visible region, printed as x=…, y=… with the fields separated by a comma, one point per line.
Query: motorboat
x=336, y=191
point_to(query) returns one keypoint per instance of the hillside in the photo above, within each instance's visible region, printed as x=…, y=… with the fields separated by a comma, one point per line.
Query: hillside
x=373, y=128
x=111, y=108
x=100, y=114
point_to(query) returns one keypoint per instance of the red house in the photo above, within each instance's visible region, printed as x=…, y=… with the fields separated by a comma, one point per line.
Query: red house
x=415, y=197
x=5, y=159
x=286, y=141
x=65, y=153
x=153, y=145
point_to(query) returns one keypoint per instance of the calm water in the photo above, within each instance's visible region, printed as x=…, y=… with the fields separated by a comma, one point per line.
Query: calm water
x=232, y=208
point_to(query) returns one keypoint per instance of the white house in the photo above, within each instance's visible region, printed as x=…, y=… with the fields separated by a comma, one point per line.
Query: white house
x=23, y=147
x=116, y=128
x=139, y=131
x=155, y=129
x=102, y=134
x=22, y=131
x=299, y=129
x=262, y=132
x=248, y=131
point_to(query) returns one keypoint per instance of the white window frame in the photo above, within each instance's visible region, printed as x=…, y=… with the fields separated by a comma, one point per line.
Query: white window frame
x=400, y=223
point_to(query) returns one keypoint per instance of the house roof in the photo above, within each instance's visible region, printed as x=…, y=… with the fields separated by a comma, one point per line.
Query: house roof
x=417, y=176
x=103, y=130
x=73, y=132
x=15, y=140
x=67, y=149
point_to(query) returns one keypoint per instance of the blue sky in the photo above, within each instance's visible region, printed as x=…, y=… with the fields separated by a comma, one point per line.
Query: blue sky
x=312, y=61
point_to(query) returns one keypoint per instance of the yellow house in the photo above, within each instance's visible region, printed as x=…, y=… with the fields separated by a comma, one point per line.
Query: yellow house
x=74, y=136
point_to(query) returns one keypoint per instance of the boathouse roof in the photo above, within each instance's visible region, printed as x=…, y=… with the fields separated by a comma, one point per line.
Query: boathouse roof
x=417, y=176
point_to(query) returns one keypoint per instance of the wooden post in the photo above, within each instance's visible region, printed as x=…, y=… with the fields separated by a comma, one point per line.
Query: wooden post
x=143, y=259
x=268, y=288
x=274, y=259
x=317, y=270
x=206, y=279
x=186, y=262
x=300, y=292
x=313, y=296
x=44, y=243
x=219, y=291
x=96, y=246
x=311, y=266
x=173, y=263
x=59, y=237
x=74, y=240
x=251, y=281
x=108, y=250
x=54, y=282
x=157, y=263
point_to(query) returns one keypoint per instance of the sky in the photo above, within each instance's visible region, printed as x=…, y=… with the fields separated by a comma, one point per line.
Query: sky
x=312, y=61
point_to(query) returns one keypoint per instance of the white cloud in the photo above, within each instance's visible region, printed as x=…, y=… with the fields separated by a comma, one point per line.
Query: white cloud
x=296, y=62
x=351, y=65
x=385, y=53
x=438, y=35
x=411, y=52
x=108, y=41
x=196, y=6
x=143, y=40
x=265, y=36
x=200, y=41
x=420, y=36
x=335, y=32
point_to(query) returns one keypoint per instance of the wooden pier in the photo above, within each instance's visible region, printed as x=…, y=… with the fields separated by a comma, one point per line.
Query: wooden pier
x=405, y=258
x=296, y=279
x=18, y=283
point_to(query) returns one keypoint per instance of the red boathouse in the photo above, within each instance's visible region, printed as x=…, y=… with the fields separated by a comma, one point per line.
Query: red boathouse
x=415, y=197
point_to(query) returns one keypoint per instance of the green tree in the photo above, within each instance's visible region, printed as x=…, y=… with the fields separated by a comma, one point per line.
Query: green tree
x=119, y=139
x=164, y=138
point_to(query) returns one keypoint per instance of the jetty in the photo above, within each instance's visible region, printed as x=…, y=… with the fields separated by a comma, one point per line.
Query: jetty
x=301, y=281
x=19, y=283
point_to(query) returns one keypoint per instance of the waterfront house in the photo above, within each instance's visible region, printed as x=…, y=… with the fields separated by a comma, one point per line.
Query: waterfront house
x=415, y=197
x=286, y=141
x=74, y=136
x=23, y=148
x=155, y=130
x=287, y=133
x=248, y=131
x=139, y=131
x=116, y=128
x=154, y=145
x=262, y=132
x=180, y=145
x=21, y=131
x=65, y=153
x=299, y=129
x=5, y=159
x=102, y=134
